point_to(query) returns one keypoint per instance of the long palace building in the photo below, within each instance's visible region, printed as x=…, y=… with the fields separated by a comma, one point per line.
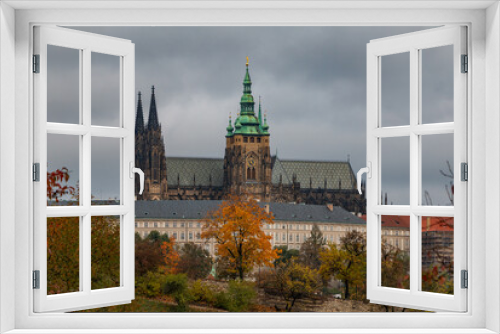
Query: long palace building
x=247, y=169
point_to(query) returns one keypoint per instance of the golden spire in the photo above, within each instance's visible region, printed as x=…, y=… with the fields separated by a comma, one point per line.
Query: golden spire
x=247, y=60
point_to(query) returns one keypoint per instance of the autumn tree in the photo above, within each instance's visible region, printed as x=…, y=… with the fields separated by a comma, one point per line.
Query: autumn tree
x=293, y=282
x=311, y=248
x=395, y=267
x=170, y=256
x=237, y=229
x=194, y=261
x=346, y=262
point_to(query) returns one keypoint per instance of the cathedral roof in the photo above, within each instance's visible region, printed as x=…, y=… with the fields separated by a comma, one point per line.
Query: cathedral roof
x=195, y=170
x=282, y=211
x=306, y=172
x=314, y=173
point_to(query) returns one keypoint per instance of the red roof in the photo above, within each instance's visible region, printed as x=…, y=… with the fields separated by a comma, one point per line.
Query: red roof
x=428, y=223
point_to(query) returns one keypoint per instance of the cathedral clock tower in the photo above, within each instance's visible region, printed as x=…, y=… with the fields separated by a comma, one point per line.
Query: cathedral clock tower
x=247, y=159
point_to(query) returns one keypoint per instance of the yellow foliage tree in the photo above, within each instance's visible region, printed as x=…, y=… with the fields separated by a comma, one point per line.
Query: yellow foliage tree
x=237, y=229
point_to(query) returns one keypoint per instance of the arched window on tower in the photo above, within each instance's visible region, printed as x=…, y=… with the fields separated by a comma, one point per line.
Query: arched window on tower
x=250, y=173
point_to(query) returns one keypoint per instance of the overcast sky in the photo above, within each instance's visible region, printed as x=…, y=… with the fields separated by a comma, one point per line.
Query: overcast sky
x=312, y=81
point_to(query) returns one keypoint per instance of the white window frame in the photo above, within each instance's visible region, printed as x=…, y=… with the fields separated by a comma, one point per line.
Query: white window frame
x=86, y=44
x=413, y=44
x=483, y=20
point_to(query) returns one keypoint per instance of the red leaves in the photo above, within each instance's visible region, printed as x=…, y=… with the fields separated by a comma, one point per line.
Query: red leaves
x=55, y=188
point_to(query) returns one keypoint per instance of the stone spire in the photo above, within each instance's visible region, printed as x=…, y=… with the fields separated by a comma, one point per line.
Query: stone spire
x=139, y=117
x=153, y=115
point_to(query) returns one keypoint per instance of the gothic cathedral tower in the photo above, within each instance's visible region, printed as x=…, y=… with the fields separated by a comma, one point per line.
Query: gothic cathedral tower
x=150, y=153
x=247, y=159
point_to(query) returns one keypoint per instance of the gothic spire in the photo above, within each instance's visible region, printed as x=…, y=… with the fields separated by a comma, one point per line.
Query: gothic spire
x=139, y=118
x=153, y=115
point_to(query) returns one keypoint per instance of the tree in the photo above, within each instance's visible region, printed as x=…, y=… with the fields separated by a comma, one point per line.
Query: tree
x=57, y=184
x=148, y=254
x=311, y=248
x=395, y=267
x=294, y=282
x=194, y=261
x=170, y=256
x=346, y=262
x=286, y=255
x=236, y=227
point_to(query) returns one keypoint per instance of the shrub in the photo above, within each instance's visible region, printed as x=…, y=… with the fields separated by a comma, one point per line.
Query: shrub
x=242, y=295
x=177, y=287
x=238, y=298
x=150, y=285
x=201, y=292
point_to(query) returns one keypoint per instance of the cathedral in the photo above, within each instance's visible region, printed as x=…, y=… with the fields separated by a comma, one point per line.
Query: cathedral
x=248, y=169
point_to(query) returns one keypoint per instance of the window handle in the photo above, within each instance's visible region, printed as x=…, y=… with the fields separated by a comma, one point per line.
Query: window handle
x=368, y=171
x=139, y=171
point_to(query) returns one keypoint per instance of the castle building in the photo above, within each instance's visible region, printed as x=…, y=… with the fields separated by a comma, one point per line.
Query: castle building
x=248, y=169
x=293, y=223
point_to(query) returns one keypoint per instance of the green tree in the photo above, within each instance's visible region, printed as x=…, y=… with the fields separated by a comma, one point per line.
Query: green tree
x=286, y=255
x=294, y=282
x=346, y=262
x=194, y=261
x=311, y=248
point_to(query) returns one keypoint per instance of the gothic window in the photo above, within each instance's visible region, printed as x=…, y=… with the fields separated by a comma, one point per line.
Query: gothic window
x=245, y=139
x=250, y=173
x=252, y=140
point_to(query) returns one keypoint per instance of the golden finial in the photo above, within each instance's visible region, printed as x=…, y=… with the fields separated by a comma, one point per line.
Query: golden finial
x=247, y=60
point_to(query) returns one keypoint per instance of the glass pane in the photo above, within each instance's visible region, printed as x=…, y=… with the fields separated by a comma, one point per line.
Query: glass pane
x=437, y=84
x=395, y=89
x=105, y=171
x=63, y=169
x=395, y=171
x=395, y=251
x=437, y=169
x=63, y=85
x=63, y=255
x=105, y=252
x=105, y=90
x=437, y=254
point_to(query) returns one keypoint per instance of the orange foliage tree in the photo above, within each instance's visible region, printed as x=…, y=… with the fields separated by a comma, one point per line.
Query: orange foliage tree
x=171, y=256
x=236, y=228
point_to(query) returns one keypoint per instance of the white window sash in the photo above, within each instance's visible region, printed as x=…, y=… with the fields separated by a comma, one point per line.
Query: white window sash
x=412, y=43
x=87, y=43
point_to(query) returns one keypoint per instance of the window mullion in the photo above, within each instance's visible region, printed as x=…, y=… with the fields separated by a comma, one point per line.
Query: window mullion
x=85, y=177
x=414, y=167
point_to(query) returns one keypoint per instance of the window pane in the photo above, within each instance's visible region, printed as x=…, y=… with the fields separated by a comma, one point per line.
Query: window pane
x=395, y=89
x=105, y=252
x=63, y=85
x=105, y=89
x=437, y=169
x=395, y=251
x=63, y=170
x=105, y=171
x=437, y=84
x=437, y=254
x=395, y=171
x=63, y=255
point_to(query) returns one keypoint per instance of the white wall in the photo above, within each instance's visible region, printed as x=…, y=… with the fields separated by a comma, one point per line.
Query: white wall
x=492, y=163
x=7, y=160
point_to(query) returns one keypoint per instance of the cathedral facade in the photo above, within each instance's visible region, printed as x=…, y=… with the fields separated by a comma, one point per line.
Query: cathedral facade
x=248, y=169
